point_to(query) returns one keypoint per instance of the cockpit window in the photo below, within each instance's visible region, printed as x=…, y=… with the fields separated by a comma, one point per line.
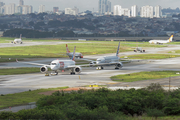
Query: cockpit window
x=53, y=63
x=98, y=60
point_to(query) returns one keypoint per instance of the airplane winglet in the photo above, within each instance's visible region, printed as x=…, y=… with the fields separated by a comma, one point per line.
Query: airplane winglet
x=17, y=60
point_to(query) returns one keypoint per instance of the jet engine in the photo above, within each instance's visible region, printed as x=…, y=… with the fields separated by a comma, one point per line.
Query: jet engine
x=119, y=65
x=78, y=69
x=44, y=69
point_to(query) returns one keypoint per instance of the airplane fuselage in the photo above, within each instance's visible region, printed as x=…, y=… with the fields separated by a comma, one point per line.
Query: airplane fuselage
x=158, y=41
x=77, y=55
x=108, y=59
x=61, y=64
x=17, y=41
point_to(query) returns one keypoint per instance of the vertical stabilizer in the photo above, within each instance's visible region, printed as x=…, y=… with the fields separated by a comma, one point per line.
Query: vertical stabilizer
x=67, y=50
x=73, y=56
x=171, y=38
x=117, y=53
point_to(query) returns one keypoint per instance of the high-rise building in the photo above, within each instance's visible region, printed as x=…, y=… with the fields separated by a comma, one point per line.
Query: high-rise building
x=104, y=6
x=9, y=9
x=147, y=11
x=21, y=2
x=26, y=9
x=134, y=11
x=158, y=12
x=71, y=11
x=126, y=12
x=41, y=8
x=55, y=9
x=117, y=10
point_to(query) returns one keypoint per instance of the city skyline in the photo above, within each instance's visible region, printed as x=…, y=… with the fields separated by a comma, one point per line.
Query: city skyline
x=92, y=5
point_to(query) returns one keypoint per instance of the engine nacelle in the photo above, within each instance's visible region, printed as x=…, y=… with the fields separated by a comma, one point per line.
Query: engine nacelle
x=78, y=69
x=119, y=65
x=44, y=69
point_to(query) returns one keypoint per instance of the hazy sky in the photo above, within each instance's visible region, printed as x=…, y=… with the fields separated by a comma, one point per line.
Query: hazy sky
x=90, y=4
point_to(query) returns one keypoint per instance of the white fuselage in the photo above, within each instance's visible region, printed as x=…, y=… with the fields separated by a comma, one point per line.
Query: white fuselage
x=77, y=55
x=158, y=41
x=109, y=59
x=17, y=41
x=61, y=64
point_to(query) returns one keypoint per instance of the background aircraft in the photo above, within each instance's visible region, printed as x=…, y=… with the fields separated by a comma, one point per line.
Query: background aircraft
x=70, y=54
x=59, y=65
x=108, y=60
x=16, y=41
x=139, y=49
x=161, y=41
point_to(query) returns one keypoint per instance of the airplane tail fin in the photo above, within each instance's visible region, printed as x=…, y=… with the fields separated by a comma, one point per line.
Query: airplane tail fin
x=67, y=49
x=73, y=56
x=171, y=38
x=117, y=53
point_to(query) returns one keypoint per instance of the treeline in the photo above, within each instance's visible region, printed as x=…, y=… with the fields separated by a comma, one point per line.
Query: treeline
x=65, y=33
x=36, y=34
x=103, y=104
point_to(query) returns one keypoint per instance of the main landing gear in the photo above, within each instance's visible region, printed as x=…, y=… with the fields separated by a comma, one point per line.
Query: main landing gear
x=116, y=68
x=99, y=68
x=72, y=72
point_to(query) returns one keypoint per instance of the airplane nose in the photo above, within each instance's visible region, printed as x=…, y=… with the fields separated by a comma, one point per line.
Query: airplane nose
x=53, y=67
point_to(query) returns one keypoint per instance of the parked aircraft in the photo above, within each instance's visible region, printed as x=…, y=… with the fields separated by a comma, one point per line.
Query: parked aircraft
x=59, y=65
x=108, y=60
x=161, y=41
x=139, y=49
x=70, y=54
x=16, y=41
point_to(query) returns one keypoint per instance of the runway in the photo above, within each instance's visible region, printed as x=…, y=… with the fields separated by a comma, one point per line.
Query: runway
x=88, y=76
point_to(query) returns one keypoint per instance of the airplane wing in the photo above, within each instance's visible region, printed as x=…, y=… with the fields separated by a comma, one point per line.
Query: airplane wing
x=34, y=63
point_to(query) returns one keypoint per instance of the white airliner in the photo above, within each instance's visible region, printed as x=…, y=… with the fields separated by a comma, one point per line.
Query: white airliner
x=59, y=65
x=161, y=41
x=16, y=41
x=108, y=60
x=70, y=54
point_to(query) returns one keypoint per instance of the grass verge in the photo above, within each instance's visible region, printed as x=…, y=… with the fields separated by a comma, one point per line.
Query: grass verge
x=144, y=76
x=23, y=98
x=87, y=48
x=13, y=71
x=151, y=56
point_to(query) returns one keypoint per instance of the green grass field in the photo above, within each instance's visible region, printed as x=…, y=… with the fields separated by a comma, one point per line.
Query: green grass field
x=151, y=56
x=14, y=71
x=144, y=76
x=87, y=48
x=23, y=98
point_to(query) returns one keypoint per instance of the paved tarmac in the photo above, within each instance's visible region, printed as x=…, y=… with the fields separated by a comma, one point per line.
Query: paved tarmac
x=89, y=76
x=19, y=83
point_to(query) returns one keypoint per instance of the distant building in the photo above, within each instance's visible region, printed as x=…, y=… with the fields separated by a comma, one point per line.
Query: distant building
x=9, y=9
x=157, y=11
x=41, y=8
x=21, y=2
x=71, y=11
x=118, y=10
x=55, y=9
x=147, y=11
x=104, y=6
x=26, y=9
x=134, y=11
